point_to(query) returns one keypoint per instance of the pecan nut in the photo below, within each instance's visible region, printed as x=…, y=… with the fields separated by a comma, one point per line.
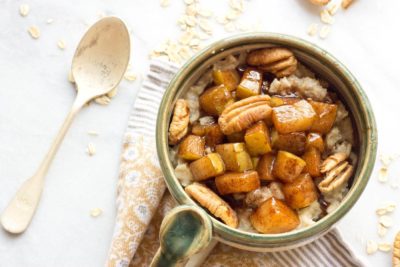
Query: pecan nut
x=319, y=2
x=277, y=60
x=212, y=202
x=336, y=177
x=332, y=161
x=243, y=113
x=180, y=122
x=396, y=251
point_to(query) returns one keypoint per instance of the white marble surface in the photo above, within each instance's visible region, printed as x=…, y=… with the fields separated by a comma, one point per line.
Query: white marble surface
x=35, y=96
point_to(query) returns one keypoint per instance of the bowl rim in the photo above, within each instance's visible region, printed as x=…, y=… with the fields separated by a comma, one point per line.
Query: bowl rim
x=369, y=133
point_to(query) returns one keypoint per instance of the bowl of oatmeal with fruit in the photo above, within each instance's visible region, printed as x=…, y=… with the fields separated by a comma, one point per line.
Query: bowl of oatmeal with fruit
x=270, y=135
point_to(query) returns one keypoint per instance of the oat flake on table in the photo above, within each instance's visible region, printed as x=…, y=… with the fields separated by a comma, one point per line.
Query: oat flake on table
x=24, y=10
x=34, y=32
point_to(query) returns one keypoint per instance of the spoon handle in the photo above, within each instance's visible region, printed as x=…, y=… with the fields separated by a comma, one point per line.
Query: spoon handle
x=19, y=212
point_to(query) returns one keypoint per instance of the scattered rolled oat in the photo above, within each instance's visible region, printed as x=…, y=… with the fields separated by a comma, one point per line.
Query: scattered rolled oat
x=164, y=3
x=96, y=212
x=382, y=230
x=93, y=133
x=385, y=247
x=189, y=2
x=102, y=100
x=204, y=12
x=130, y=76
x=312, y=29
x=49, y=21
x=24, y=10
x=61, y=44
x=326, y=17
x=333, y=9
x=205, y=26
x=34, y=32
x=113, y=92
x=396, y=251
x=386, y=160
x=386, y=208
x=383, y=175
x=346, y=3
x=372, y=247
x=324, y=32
x=386, y=221
x=91, y=149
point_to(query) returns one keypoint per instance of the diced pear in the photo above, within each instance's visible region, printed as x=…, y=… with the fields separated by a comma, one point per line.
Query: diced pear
x=265, y=167
x=214, y=100
x=292, y=142
x=212, y=133
x=301, y=192
x=192, y=147
x=293, y=118
x=255, y=161
x=326, y=116
x=273, y=217
x=206, y=167
x=229, y=78
x=237, y=137
x=237, y=182
x=257, y=139
x=312, y=157
x=315, y=140
x=288, y=166
x=250, y=85
x=235, y=157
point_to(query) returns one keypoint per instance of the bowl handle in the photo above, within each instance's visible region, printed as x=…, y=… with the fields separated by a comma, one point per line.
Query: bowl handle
x=184, y=231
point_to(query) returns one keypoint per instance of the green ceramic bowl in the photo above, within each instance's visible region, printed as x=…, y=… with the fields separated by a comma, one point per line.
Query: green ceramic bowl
x=320, y=61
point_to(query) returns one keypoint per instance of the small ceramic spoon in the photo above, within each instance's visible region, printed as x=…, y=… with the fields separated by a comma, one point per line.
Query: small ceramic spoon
x=98, y=66
x=184, y=231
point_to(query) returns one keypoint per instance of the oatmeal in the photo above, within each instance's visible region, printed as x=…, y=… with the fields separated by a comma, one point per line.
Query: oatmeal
x=262, y=143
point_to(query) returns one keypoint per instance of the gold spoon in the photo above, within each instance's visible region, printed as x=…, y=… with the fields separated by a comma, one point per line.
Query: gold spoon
x=98, y=66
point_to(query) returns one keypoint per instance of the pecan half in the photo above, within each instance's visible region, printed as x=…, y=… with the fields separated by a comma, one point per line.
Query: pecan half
x=319, y=2
x=243, y=113
x=336, y=177
x=211, y=201
x=277, y=60
x=396, y=251
x=180, y=122
x=332, y=161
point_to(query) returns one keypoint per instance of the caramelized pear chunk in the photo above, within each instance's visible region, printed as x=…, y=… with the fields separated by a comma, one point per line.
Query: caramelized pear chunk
x=229, y=78
x=257, y=139
x=312, y=157
x=250, y=85
x=235, y=157
x=273, y=217
x=212, y=133
x=326, y=116
x=292, y=142
x=237, y=182
x=192, y=147
x=288, y=166
x=301, y=192
x=214, y=100
x=315, y=140
x=293, y=118
x=206, y=167
x=265, y=167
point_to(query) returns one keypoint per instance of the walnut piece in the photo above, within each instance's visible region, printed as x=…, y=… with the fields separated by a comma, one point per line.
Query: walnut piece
x=277, y=60
x=332, y=161
x=319, y=2
x=180, y=122
x=396, y=251
x=243, y=113
x=212, y=202
x=336, y=177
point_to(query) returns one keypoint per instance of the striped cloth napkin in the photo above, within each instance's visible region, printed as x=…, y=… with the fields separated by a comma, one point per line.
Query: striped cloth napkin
x=142, y=201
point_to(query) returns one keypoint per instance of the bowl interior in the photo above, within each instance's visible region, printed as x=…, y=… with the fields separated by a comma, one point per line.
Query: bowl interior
x=321, y=62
